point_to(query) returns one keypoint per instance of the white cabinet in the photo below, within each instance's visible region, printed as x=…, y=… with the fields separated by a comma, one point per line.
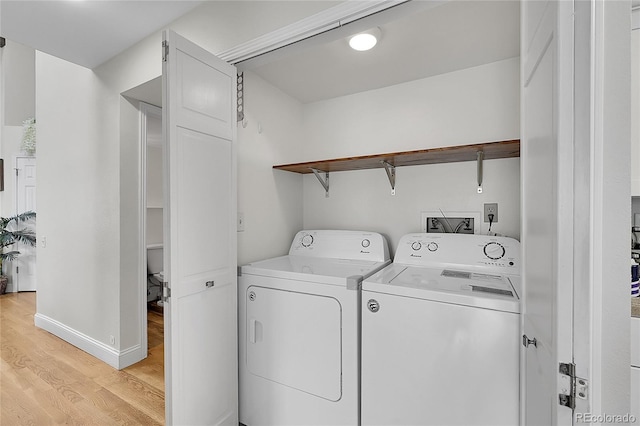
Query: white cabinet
x=635, y=112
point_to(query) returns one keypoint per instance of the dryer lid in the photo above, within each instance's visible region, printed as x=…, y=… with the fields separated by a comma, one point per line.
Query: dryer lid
x=305, y=268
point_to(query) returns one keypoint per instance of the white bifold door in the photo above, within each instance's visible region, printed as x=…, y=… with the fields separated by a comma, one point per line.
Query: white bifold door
x=199, y=100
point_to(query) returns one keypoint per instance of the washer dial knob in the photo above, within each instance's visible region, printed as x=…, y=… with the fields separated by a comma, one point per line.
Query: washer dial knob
x=494, y=250
x=366, y=243
x=432, y=246
x=416, y=245
x=307, y=240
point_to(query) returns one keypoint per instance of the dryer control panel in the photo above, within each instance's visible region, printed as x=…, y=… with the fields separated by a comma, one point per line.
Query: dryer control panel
x=488, y=253
x=337, y=244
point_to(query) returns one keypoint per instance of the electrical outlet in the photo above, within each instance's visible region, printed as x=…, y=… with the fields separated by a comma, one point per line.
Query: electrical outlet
x=491, y=208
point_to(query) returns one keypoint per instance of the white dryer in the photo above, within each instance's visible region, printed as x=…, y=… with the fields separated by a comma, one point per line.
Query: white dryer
x=299, y=319
x=441, y=333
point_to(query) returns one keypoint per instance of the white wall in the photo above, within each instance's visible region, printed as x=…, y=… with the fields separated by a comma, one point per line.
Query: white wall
x=475, y=105
x=19, y=87
x=270, y=200
x=78, y=206
x=155, y=194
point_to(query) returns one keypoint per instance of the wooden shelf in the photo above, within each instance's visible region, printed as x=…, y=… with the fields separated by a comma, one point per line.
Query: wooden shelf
x=452, y=154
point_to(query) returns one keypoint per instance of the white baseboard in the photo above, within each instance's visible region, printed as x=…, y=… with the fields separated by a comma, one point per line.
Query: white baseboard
x=131, y=356
x=115, y=358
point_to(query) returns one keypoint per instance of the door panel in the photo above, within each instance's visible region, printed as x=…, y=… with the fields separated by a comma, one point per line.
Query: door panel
x=204, y=399
x=202, y=197
x=201, y=383
x=24, y=267
x=539, y=159
x=202, y=106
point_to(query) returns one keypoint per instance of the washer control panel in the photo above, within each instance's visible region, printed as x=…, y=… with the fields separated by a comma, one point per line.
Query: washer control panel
x=490, y=253
x=351, y=245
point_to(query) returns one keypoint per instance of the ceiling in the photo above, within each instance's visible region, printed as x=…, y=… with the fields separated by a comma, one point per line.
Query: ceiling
x=434, y=40
x=90, y=32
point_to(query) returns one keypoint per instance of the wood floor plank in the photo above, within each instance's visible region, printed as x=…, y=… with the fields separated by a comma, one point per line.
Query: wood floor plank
x=18, y=408
x=134, y=391
x=46, y=381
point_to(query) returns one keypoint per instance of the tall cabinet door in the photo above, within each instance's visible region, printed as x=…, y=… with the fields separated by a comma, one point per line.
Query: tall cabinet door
x=545, y=130
x=199, y=103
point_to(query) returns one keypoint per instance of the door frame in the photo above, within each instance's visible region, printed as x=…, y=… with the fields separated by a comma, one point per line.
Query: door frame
x=145, y=110
x=607, y=317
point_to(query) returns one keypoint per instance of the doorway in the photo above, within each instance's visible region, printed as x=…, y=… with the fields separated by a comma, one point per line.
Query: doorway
x=142, y=118
x=152, y=267
x=24, y=266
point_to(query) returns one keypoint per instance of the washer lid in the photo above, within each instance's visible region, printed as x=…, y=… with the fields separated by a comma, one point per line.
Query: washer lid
x=305, y=268
x=471, y=288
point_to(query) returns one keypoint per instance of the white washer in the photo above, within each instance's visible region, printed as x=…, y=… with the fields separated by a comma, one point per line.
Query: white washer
x=299, y=320
x=441, y=333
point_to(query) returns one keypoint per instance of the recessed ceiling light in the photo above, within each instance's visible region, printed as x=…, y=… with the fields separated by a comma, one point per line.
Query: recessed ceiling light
x=365, y=40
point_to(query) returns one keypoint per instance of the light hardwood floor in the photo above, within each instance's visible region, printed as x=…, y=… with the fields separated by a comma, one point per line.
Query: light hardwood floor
x=46, y=381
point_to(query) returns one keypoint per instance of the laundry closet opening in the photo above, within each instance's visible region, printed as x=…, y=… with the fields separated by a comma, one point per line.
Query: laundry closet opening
x=444, y=75
x=454, y=82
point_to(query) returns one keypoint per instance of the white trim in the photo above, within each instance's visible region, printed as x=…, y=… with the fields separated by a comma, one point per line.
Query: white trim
x=610, y=208
x=113, y=357
x=130, y=356
x=145, y=109
x=80, y=340
x=326, y=20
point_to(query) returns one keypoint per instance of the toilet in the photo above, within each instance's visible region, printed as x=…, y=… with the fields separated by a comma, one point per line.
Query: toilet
x=155, y=263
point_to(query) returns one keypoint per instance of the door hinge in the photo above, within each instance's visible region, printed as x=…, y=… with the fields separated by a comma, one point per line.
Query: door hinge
x=17, y=269
x=571, y=387
x=165, y=50
x=166, y=291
